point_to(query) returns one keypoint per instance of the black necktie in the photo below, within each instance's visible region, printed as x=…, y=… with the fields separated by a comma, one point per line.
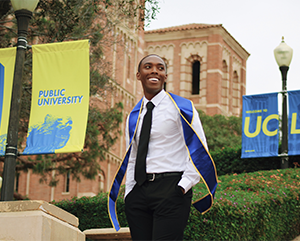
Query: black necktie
x=140, y=165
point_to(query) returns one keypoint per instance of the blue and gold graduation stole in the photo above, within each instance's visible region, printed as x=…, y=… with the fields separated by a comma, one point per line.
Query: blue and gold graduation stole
x=200, y=157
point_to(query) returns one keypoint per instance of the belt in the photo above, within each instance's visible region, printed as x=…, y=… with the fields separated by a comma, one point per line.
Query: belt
x=154, y=176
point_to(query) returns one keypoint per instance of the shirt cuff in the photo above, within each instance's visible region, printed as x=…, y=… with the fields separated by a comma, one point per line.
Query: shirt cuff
x=185, y=183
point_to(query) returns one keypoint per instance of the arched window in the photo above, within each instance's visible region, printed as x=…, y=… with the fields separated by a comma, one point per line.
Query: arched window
x=196, y=77
x=224, y=66
x=236, y=93
x=225, y=88
x=235, y=77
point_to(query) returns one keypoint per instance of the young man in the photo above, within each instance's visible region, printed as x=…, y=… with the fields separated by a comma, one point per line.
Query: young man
x=158, y=207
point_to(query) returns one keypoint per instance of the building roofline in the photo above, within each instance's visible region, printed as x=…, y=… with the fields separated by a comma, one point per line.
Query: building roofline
x=193, y=26
x=183, y=27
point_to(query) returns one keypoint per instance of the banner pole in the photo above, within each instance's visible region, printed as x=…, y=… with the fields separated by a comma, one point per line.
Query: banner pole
x=284, y=142
x=7, y=192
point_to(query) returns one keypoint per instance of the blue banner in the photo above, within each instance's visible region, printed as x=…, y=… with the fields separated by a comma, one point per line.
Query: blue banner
x=260, y=126
x=294, y=123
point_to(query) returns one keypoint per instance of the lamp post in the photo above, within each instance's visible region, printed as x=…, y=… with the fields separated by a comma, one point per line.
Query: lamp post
x=23, y=12
x=283, y=55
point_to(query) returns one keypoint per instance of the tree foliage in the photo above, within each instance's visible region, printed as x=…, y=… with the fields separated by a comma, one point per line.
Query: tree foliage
x=67, y=20
x=221, y=131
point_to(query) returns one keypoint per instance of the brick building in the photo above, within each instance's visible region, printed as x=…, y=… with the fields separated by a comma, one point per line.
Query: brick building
x=205, y=64
x=205, y=52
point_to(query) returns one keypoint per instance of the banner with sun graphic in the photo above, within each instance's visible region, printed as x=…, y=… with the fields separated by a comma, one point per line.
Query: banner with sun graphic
x=60, y=98
x=7, y=64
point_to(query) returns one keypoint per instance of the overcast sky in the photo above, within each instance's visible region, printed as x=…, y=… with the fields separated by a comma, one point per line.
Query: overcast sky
x=258, y=25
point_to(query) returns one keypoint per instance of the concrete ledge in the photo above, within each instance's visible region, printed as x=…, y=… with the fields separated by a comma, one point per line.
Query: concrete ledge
x=31, y=205
x=37, y=221
x=108, y=234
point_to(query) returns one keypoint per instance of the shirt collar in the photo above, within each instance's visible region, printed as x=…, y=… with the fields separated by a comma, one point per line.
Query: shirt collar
x=156, y=99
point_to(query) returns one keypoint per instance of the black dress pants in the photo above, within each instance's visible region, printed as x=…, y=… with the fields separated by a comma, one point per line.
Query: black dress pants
x=158, y=210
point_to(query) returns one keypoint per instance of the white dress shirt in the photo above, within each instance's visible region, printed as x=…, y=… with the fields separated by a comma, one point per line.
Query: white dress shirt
x=167, y=151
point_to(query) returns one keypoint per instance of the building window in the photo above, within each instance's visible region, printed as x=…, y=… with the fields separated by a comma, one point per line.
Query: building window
x=196, y=78
x=101, y=182
x=17, y=180
x=224, y=66
x=236, y=94
x=225, y=88
x=128, y=67
x=67, y=182
x=235, y=77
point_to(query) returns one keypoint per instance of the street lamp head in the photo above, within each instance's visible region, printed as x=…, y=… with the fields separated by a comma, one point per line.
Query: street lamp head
x=29, y=5
x=283, y=54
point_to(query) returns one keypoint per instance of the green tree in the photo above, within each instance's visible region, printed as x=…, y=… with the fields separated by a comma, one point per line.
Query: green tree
x=65, y=20
x=221, y=131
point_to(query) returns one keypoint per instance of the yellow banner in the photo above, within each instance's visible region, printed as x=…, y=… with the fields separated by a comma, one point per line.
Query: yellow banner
x=7, y=65
x=60, y=98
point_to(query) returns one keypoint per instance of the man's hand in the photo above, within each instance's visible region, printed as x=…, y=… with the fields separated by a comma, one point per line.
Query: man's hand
x=182, y=189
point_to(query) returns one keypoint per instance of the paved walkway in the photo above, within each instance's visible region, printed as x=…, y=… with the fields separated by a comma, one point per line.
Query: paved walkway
x=296, y=239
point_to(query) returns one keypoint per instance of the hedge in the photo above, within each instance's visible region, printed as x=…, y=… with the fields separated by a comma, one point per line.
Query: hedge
x=262, y=205
x=228, y=160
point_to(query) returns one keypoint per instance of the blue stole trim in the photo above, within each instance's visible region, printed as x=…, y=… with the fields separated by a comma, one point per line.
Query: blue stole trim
x=115, y=187
x=200, y=157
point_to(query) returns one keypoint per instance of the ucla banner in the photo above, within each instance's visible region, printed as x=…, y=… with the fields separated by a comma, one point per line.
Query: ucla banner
x=294, y=123
x=7, y=65
x=260, y=125
x=60, y=98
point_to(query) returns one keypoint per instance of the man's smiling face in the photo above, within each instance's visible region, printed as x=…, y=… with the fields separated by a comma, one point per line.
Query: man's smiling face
x=152, y=74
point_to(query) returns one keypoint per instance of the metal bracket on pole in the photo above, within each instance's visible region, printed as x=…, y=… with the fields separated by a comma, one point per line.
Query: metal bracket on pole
x=11, y=151
x=22, y=43
x=283, y=155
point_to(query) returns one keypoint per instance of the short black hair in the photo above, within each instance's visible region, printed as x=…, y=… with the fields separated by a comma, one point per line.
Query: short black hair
x=139, y=66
